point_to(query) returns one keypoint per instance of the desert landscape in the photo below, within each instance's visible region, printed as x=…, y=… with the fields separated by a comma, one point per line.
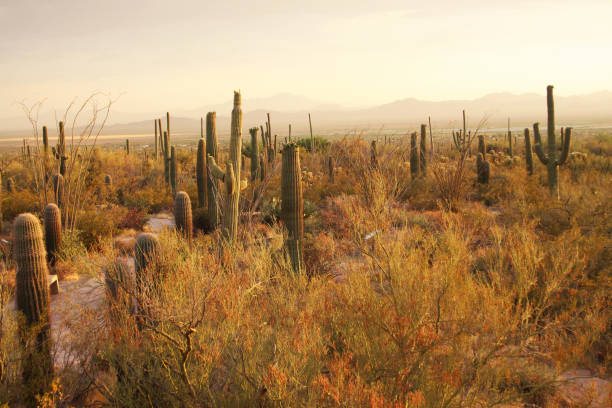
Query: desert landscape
x=284, y=251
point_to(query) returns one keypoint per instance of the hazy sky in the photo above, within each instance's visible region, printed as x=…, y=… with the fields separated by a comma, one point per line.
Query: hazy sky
x=172, y=54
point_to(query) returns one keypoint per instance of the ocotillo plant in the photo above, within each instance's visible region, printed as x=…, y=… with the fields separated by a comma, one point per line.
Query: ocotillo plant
x=414, y=156
x=482, y=169
x=173, y=170
x=127, y=146
x=292, y=205
x=423, y=150
x=58, y=189
x=33, y=300
x=231, y=176
x=53, y=232
x=254, y=153
x=183, y=216
x=551, y=160
x=212, y=185
x=528, y=153
x=201, y=175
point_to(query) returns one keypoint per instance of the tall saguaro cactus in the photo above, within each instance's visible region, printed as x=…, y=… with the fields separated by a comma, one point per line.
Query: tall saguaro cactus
x=414, y=156
x=183, y=216
x=483, y=169
x=33, y=300
x=510, y=152
x=212, y=185
x=528, y=153
x=231, y=176
x=173, y=170
x=292, y=205
x=550, y=160
x=254, y=153
x=127, y=146
x=482, y=146
x=156, y=142
x=423, y=150
x=166, y=158
x=201, y=175
x=58, y=189
x=53, y=232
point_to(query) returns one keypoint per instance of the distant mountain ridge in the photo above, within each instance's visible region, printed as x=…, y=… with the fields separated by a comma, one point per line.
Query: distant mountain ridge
x=285, y=108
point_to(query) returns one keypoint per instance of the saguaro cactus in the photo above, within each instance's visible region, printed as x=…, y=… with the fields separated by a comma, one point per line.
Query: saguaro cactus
x=510, y=152
x=254, y=153
x=10, y=185
x=423, y=150
x=45, y=138
x=173, y=170
x=183, y=215
x=53, y=232
x=33, y=299
x=373, y=154
x=231, y=176
x=116, y=277
x=482, y=146
x=127, y=146
x=292, y=205
x=212, y=185
x=201, y=175
x=58, y=189
x=156, y=142
x=551, y=160
x=528, y=153
x=166, y=158
x=414, y=156
x=108, y=180
x=482, y=169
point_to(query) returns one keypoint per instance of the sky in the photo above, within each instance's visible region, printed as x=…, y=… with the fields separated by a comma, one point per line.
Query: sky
x=172, y=55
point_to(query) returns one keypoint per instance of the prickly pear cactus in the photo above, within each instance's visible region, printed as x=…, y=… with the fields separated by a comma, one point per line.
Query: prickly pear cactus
x=201, y=175
x=53, y=232
x=292, y=205
x=182, y=215
x=33, y=300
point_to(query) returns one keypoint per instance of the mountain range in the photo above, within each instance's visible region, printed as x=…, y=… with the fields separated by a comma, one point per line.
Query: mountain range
x=285, y=109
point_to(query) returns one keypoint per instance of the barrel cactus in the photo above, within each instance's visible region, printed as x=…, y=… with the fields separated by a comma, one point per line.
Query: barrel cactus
x=53, y=232
x=212, y=184
x=146, y=253
x=33, y=299
x=182, y=215
x=414, y=156
x=231, y=176
x=292, y=205
x=58, y=189
x=528, y=153
x=201, y=173
x=550, y=160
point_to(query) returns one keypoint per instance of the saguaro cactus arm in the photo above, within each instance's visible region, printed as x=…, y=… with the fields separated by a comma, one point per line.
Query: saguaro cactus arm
x=215, y=170
x=537, y=144
x=566, y=139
